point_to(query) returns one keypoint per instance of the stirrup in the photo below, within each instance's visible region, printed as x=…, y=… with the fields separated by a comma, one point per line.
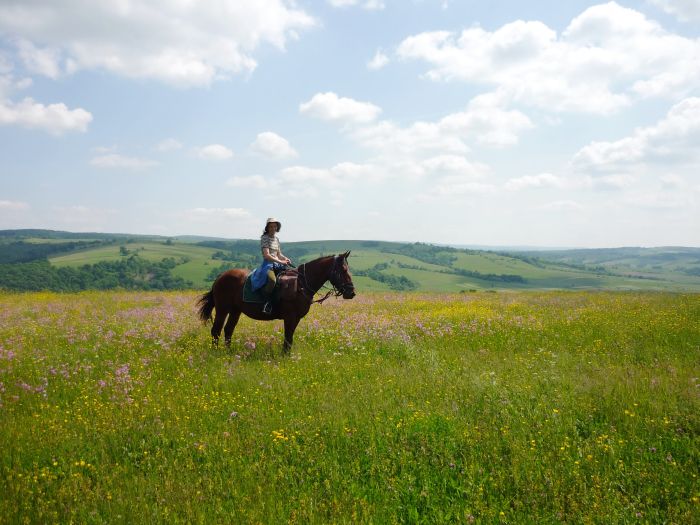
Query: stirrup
x=267, y=308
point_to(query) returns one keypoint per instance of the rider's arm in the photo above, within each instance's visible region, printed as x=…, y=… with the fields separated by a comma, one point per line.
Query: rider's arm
x=284, y=258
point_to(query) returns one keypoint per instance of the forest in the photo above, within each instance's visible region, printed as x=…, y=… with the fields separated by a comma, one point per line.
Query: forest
x=132, y=273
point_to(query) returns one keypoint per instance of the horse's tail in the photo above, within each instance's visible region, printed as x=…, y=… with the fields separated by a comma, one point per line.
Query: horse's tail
x=206, y=305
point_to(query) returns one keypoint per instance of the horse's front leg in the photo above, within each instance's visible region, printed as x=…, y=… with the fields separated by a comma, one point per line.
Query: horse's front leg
x=290, y=324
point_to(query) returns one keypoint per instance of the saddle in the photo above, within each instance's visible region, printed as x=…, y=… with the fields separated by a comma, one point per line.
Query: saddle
x=287, y=284
x=285, y=288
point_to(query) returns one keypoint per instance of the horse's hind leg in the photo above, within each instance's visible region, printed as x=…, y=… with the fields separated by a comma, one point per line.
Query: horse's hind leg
x=231, y=326
x=219, y=319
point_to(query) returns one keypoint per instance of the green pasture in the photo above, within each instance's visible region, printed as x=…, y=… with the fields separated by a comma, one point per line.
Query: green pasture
x=366, y=259
x=149, y=251
x=429, y=277
x=196, y=269
x=506, y=407
x=438, y=282
x=494, y=263
x=365, y=284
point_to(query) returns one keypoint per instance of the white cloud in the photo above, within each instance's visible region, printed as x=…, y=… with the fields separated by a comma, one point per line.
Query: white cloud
x=371, y=5
x=453, y=165
x=420, y=138
x=660, y=200
x=206, y=214
x=307, y=182
x=684, y=10
x=675, y=140
x=214, y=152
x=610, y=182
x=378, y=61
x=488, y=122
x=562, y=205
x=543, y=180
x=169, y=144
x=272, y=145
x=102, y=150
x=460, y=185
x=483, y=122
x=329, y=106
x=5, y=63
x=250, y=181
x=13, y=205
x=44, y=61
x=606, y=58
x=570, y=183
x=341, y=174
x=183, y=42
x=672, y=181
x=54, y=118
x=117, y=161
x=8, y=82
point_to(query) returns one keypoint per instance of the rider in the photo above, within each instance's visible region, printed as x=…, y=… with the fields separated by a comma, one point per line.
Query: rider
x=273, y=259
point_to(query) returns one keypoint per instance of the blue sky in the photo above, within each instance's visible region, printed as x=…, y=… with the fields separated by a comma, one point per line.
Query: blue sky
x=494, y=123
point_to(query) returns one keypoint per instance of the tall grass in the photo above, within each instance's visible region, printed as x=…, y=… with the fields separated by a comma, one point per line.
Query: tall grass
x=510, y=407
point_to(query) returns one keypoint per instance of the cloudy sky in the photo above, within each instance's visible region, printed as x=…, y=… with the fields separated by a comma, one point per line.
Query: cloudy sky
x=542, y=123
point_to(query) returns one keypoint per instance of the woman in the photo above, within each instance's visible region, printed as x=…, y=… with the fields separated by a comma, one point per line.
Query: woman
x=273, y=259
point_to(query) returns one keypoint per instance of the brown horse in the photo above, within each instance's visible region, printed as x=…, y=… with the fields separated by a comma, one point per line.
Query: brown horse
x=226, y=296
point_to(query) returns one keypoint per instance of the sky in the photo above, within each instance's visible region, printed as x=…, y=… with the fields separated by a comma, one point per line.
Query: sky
x=500, y=123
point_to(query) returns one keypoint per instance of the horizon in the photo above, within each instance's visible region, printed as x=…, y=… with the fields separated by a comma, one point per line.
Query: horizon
x=538, y=125
x=458, y=246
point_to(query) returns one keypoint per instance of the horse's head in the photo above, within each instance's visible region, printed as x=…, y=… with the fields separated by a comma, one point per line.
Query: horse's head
x=340, y=276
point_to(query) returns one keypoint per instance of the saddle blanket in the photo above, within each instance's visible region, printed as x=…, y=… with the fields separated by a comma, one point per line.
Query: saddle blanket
x=250, y=296
x=285, y=287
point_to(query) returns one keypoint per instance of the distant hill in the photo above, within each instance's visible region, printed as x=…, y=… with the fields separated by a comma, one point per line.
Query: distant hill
x=46, y=259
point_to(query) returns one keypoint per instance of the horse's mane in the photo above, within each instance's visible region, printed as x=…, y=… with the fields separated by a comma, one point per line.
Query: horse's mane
x=319, y=259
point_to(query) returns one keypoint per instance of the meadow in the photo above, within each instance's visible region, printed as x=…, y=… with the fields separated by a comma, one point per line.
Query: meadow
x=509, y=407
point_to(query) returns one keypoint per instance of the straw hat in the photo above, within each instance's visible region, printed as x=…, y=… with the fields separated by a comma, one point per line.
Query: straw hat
x=271, y=219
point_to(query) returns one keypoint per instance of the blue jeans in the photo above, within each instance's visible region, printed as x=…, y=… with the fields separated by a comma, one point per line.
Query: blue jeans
x=259, y=277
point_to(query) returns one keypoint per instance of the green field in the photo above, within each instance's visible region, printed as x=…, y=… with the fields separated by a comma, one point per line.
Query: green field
x=508, y=407
x=196, y=269
x=378, y=264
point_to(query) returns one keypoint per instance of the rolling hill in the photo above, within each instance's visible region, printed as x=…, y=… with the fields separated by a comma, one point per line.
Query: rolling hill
x=376, y=265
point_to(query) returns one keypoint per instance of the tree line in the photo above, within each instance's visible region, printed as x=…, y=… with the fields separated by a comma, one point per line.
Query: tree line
x=395, y=282
x=21, y=251
x=133, y=273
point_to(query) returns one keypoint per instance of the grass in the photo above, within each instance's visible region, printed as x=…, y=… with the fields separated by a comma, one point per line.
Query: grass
x=196, y=269
x=419, y=408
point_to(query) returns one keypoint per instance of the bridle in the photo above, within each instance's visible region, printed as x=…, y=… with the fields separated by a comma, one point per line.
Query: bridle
x=335, y=277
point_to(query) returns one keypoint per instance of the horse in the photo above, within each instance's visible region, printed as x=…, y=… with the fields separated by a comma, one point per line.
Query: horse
x=226, y=296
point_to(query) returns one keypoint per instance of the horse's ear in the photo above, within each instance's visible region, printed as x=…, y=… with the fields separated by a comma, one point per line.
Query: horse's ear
x=346, y=254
